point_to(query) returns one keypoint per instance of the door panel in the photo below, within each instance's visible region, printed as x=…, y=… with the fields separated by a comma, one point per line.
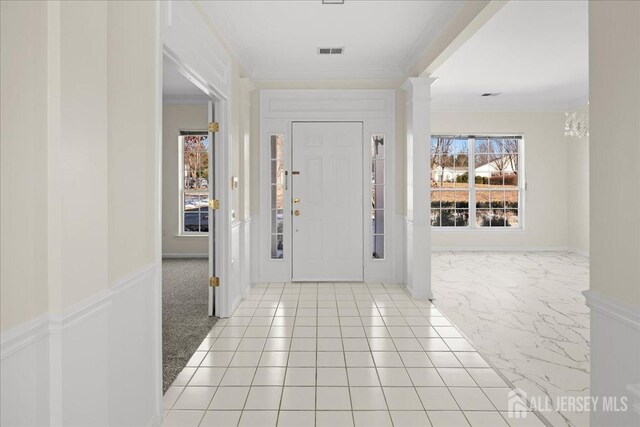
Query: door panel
x=327, y=229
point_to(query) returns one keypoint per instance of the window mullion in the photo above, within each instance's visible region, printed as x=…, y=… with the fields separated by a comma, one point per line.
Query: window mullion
x=472, y=182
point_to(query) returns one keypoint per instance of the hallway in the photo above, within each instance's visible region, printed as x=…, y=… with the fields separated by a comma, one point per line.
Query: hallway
x=343, y=354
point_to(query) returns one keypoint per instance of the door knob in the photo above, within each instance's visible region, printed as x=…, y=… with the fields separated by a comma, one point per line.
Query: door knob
x=296, y=212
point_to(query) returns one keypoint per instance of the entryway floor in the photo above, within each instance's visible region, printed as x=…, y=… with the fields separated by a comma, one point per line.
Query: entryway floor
x=338, y=354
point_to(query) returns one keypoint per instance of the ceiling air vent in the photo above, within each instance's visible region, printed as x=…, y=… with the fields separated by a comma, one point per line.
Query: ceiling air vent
x=490, y=94
x=330, y=50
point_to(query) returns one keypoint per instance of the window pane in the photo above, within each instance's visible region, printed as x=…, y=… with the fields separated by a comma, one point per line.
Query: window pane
x=442, y=161
x=482, y=171
x=194, y=204
x=377, y=147
x=483, y=217
x=276, y=246
x=497, y=199
x=435, y=217
x=447, y=199
x=204, y=221
x=447, y=218
x=274, y=171
x=203, y=171
x=482, y=145
x=511, y=199
x=512, y=218
x=482, y=199
x=511, y=181
x=378, y=247
x=277, y=143
x=378, y=171
x=378, y=196
x=377, y=221
x=496, y=146
x=277, y=221
x=462, y=217
x=435, y=199
x=496, y=180
x=498, y=219
x=462, y=200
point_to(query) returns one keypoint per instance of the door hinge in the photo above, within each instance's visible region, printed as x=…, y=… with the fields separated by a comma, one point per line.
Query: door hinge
x=214, y=282
x=214, y=204
x=214, y=127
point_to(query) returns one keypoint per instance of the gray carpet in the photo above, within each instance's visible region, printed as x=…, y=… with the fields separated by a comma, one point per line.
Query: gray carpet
x=185, y=322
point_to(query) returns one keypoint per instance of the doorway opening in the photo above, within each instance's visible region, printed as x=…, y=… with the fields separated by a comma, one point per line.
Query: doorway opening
x=188, y=220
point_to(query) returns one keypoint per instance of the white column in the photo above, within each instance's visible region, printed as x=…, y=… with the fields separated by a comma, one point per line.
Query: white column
x=418, y=228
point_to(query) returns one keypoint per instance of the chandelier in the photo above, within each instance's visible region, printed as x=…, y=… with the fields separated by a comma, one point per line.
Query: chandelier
x=576, y=124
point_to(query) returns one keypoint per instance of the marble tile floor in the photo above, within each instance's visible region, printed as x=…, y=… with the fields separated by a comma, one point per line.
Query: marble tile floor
x=338, y=354
x=525, y=313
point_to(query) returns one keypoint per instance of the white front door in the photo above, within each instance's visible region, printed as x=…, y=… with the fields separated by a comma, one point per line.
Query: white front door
x=326, y=201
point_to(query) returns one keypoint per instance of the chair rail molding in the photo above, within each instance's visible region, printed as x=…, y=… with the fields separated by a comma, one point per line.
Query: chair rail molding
x=48, y=360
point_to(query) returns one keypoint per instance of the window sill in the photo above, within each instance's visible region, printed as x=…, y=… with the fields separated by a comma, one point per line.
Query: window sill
x=191, y=235
x=477, y=230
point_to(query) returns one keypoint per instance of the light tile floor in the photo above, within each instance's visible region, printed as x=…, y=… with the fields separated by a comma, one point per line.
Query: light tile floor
x=338, y=354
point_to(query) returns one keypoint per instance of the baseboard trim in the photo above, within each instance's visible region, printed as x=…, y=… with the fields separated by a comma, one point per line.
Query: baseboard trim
x=178, y=256
x=614, y=309
x=501, y=249
x=579, y=252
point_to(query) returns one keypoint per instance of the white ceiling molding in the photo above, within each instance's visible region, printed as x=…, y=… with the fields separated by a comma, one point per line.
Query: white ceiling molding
x=234, y=46
x=327, y=73
x=445, y=12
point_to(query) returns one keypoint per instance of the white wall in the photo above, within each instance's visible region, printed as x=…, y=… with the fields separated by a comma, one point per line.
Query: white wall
x=177, y=117
x=80, y=338
x=23, y=156
x=547, y=178
x=614, y=87
x=614, y=293
x=578, y=212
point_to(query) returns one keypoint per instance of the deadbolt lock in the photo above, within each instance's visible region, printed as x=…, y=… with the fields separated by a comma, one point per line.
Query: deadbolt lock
x=296, y=200
x=296, y=212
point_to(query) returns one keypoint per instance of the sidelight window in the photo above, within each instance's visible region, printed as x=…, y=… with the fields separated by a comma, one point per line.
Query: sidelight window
x=277, y=196
x=377, y=196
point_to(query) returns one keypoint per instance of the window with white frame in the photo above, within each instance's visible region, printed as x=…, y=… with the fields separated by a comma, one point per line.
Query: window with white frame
x=194, y=187
x=277, y=196
x=377, y=196
x=476, y=181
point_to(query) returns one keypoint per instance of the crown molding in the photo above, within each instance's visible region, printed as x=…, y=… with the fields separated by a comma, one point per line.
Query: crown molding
x=228, y=38
x=438, y=22
x=326, y=73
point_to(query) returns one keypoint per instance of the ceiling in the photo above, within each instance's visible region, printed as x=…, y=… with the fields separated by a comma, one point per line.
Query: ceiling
x=277, y=40
x=534, y=53
x=176, y=87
